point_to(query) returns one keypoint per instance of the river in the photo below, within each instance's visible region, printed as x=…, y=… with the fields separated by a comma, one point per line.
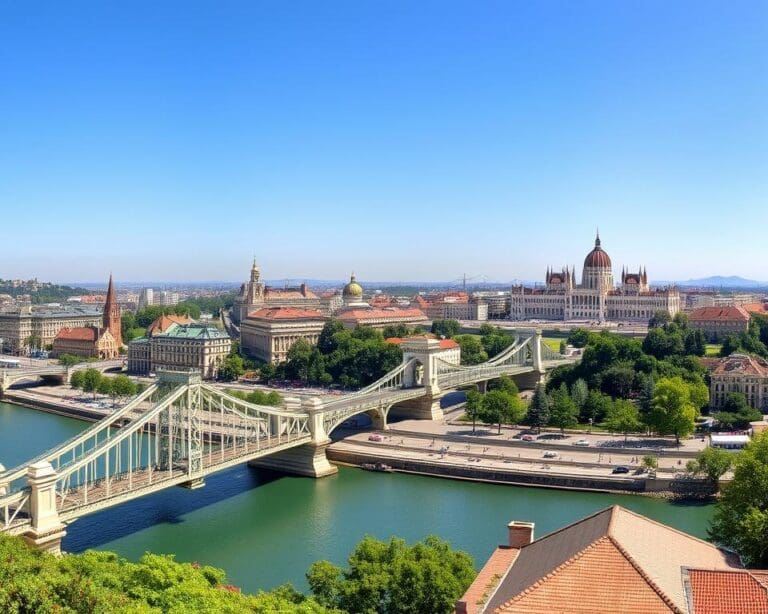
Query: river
x=265, y=529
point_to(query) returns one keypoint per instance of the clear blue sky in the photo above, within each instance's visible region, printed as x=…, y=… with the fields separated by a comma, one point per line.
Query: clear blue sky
x=404, y=140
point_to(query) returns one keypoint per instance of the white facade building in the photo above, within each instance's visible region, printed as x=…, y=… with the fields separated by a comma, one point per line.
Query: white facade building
x=596, y=298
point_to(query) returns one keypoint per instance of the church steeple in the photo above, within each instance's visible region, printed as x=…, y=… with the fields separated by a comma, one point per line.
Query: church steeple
x=597, y=238
x=111, y=318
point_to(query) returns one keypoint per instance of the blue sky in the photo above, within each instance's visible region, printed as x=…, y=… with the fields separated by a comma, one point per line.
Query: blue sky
x=404, y=140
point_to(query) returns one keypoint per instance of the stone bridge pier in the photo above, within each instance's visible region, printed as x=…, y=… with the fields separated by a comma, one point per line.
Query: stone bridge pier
x=47, y=530
x=308, y=459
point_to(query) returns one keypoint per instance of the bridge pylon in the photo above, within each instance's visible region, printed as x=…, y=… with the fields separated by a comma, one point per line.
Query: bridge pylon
x=309, y=459
x=47, y=530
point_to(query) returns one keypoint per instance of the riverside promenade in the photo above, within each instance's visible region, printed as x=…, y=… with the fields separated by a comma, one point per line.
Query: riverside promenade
x=450, y=449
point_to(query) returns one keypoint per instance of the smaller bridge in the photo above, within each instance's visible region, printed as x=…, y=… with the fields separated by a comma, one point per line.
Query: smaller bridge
x=9, y=377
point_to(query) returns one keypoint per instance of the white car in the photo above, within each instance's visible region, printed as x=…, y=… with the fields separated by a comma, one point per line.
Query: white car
x=550, y=454
x=583, y=443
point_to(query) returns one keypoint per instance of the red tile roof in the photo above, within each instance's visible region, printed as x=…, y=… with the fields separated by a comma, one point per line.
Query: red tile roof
x=381, y=314
x=85, y=333
x=285, y=313
x=737, y=591
x=565, y=571
x=756, y=308
x=741, y=364
x=164, y=322
x=723, y=314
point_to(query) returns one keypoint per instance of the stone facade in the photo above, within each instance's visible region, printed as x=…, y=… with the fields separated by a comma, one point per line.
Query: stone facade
x=739, y=373
x=255, y=295
x=451, y=305
x=596, y=298
x=268, y=333
x=18, y=326
x=180, y=346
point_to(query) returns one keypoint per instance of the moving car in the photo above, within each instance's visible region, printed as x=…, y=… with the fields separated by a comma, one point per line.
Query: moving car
x=375, y=437
x=550, y=454
x=581, y=443
x=528, y=438
x=620, y=469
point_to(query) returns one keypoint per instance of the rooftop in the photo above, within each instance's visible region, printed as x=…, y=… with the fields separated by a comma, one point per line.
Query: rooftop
x=722, y=314
x=285, y=313
x=740, y=364
x=565, y=571
x=193, y=331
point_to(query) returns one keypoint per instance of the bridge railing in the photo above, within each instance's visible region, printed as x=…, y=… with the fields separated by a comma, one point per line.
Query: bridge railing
x=392, y=380
x=56, y=455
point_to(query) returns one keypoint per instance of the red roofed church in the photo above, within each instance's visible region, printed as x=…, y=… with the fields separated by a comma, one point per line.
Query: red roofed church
x=91, y=341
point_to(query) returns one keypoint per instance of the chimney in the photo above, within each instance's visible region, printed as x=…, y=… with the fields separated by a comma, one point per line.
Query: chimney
x=520, y=533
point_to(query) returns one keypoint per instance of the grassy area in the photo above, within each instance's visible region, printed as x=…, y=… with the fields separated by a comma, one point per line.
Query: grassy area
x=713, y=349
x=553, y=343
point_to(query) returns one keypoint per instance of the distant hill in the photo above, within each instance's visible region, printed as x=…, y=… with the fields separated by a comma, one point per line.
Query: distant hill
x=719, y=281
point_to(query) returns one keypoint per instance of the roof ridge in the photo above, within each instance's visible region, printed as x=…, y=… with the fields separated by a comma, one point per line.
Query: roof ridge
x=669, y=528
x=573, y=524
x=644, y=575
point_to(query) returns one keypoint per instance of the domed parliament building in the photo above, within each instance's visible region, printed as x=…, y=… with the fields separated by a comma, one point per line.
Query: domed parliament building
x=596, y=298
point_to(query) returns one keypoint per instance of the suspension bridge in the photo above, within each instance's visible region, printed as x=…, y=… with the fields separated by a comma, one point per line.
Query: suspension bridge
x=181, y=429
x=62, y=373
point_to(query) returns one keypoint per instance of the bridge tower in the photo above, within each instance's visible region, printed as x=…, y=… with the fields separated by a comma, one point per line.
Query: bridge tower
x=47, y=530
x=309, y=459
x=425, y=351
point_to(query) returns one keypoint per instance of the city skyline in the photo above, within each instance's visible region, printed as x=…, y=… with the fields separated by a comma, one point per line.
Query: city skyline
x=406, y=141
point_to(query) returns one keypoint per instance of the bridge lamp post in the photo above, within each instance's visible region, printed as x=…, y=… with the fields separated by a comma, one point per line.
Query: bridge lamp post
x=1, y=344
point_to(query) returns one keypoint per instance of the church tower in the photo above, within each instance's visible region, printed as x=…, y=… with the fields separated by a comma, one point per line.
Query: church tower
x=111, y=320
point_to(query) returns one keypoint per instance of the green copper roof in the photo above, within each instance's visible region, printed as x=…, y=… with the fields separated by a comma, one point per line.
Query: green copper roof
x=193, y=331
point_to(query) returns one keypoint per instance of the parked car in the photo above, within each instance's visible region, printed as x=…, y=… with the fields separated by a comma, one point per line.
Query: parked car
x=620, y=469
x=550, y=454
x=581, y=443
x=375, y=437
x=528, y=438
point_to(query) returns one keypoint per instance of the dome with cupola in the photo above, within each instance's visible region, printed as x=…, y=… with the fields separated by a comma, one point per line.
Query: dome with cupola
x=352, y=289
x=598, y=258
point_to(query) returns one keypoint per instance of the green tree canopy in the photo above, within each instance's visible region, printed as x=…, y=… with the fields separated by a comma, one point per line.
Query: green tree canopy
x=623, y=417
x=673, y=411
x=740, y=521
x=394, y=578
x=446, y=328
x=563, y=410
x=538, y=410
x=472, y=352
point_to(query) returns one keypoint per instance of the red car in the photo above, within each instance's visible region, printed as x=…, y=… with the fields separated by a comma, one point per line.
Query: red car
x=528, y=438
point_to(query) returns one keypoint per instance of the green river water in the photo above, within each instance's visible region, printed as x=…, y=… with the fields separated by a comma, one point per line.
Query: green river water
x=265, y=529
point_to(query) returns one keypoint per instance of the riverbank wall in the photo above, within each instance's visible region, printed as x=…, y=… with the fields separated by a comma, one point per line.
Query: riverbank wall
x=664, y=486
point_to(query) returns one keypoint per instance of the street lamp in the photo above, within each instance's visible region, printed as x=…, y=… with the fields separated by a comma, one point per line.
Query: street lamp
x=1, y=344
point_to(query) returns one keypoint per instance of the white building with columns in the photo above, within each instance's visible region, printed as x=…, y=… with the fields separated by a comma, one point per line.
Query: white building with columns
x=596, y=298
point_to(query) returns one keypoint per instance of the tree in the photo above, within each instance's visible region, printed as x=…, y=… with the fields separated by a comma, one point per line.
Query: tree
x=91, y=379
x=596, y=407
x=737, y=413
x=623, y=417
x=659, y=318
x=267, y=372
x=299, y=360
x=394, y=578
x=69, y=359
x=446, y=328
x=563, y=346
x=504, y=383
x=580, y=393
x=673, y=412
x=122, y=386
x=500, y=406
x=474, y=406
x=579, y=337
x=104, y=386
x=77, y=380
x=729, y=346
x=232, y=368
x=650, y=462
x=740, y=521
x=538, y=410
x=713, y=463
x=564, y=412
x=472, y=352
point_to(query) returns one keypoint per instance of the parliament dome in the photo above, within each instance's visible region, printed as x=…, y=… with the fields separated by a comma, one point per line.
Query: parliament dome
x=598, y=258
